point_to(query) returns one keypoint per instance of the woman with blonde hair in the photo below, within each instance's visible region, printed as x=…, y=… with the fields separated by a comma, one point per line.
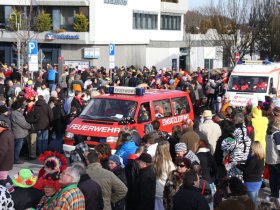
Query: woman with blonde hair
x=253, y=170
x=163, y=165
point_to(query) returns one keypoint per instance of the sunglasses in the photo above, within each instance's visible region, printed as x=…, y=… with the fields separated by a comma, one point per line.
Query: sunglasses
x=181, y=166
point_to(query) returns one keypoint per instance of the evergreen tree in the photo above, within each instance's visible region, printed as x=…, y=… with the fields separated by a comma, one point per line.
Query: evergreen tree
x=43, y=22
x=81, y=23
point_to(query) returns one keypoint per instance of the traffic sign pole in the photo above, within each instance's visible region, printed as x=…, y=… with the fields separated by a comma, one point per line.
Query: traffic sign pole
x=111, y=59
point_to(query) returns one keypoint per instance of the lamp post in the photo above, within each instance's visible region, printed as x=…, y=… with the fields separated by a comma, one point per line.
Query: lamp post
x=18, y=25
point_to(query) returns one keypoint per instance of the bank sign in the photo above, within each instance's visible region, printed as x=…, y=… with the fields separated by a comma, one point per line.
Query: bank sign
x=50, y=36
x=117, y=2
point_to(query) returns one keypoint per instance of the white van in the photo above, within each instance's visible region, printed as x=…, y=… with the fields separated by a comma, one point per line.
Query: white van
x=253, y=79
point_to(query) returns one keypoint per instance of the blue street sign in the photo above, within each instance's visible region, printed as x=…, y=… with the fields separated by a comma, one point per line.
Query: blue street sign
x=32, y=47
x=111, y=49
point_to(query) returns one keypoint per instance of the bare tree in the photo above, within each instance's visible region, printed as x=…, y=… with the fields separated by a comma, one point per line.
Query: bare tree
x=267, y=19
x=25, y=17
x=231, y=20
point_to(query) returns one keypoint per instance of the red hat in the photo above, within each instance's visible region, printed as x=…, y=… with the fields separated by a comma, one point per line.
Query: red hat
x=54, y=160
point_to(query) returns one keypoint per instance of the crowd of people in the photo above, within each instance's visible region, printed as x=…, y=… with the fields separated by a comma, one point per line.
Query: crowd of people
x=219, y=160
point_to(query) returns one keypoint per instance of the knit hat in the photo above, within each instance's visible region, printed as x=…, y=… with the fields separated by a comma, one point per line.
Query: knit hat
x=25, y=178
x=117, y=159
x=3, y=109
x=3, y=124
x=145, y=157
x=180, y=147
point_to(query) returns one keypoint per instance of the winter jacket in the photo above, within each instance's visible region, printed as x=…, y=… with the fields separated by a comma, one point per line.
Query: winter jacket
x=208, y=164
x=190, y=138
x=32, y=117
x=120, y=205
x=238, y=149
x=145, y=189
x=190, y=199
x=78, y=104
x=6, y=150
x=131, y=172
x=112, y=187
x=252, y=169
x=7, y=120
x=212, y=131
x=273, y=148
x=45, y=115
x=173, y=184
x=59, y=119
x=260, y=125
x=126, y=149
x=92, y=192
x=19, y=125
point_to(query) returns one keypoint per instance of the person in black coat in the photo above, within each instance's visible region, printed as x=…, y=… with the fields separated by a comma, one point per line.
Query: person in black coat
x=131, y=172
x=45, y=118
x=77, y=102
x=59, y=126
x=189, y=196
x=32, y=117
x=206, y=159
x=253, y=170
x=227, y=128
x=116, y=166
x=145, y=184
x=91, y=190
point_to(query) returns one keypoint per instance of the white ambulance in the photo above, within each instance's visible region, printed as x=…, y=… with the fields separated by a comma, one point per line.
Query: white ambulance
x=253, y=80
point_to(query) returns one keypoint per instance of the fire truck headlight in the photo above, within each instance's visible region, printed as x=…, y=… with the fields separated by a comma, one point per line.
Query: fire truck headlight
x=69, y=135
x=111, y=139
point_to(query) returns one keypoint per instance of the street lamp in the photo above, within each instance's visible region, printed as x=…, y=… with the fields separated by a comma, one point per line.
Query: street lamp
x=18, y=25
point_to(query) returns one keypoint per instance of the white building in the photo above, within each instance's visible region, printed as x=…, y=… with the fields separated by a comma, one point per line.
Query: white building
x=202, y=53
x=146, y=32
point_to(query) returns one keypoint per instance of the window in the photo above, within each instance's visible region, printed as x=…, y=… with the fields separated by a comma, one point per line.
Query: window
x=180, y=106
x=170, y=22
x=162, y=109
x=144, y=114
x=256, y=84
x=146, y=21
x=63, y=17
x=208, y=64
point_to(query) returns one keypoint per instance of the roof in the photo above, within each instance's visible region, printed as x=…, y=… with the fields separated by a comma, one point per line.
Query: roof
x=256, y=68
x=153, y=94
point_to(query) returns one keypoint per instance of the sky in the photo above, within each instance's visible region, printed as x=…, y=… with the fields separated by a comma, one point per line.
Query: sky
x=193, y=4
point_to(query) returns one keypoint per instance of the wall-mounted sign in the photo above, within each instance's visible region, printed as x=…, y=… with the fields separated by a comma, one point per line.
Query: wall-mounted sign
x=80, y=64
x=91, y=53
x=50, y=36
x=117, y=2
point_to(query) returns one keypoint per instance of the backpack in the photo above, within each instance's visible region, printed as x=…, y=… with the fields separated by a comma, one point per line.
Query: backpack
x=51, y=75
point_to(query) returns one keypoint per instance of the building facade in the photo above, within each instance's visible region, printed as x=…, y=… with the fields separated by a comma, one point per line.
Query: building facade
x=145, y=33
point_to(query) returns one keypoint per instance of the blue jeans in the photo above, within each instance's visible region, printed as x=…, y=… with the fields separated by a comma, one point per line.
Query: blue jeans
x=57, y=143
x=253, y=196
x=18, y=147
x=42, y=140
x=52, y=87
